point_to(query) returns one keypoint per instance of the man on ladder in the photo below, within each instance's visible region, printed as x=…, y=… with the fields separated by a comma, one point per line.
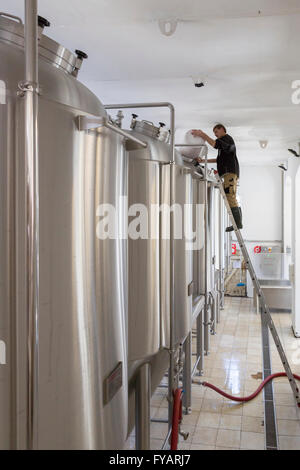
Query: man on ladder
x=227, y=165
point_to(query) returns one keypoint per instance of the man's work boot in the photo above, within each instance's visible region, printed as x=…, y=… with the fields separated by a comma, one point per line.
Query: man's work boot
x=237, y=214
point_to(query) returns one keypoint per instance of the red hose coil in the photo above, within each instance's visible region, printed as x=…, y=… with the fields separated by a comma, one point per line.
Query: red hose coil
x=254, y=394
x=176, y=418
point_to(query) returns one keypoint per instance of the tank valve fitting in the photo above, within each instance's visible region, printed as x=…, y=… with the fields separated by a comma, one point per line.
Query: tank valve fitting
x=133, y=121
x=80, y=56
x=120, y=117
x=43, y=23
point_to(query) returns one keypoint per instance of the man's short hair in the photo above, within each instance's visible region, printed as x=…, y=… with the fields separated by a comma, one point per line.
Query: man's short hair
x=220, y=126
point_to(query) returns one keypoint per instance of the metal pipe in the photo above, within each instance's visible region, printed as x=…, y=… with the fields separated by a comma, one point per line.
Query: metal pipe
x=221, y=249
x=163, y=104
x=190, y=145
x=142, y=408
x=206, y=307
x=195, y=367
x=30, y=88
x=200, y=345
x=187, y=374
x=166, y=441
x=120, y=131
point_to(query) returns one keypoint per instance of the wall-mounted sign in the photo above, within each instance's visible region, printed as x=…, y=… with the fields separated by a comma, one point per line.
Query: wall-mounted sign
x=257, y=249
x=233, y=249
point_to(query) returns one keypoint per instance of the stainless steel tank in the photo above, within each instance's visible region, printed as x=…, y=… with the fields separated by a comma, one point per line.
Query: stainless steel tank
x=82, y=380
x=149, y=258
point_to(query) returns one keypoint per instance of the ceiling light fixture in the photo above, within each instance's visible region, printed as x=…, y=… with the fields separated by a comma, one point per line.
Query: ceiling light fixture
x=263, y=143
x=168, y=27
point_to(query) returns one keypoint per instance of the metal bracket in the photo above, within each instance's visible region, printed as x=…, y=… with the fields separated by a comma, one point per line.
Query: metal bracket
x=25, y=86
x=85, y=123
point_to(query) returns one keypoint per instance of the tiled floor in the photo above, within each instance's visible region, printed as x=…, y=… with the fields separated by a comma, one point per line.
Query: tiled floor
x=235, y=365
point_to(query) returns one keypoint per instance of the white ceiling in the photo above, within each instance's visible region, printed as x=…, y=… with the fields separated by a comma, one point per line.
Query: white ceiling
x=247, y=52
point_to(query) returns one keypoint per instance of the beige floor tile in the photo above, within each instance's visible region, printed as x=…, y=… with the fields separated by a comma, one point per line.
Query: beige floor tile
x=287, y=412
x=201, y=447
x=289, y=443
x=159, y=430
x=288, y=427
x=197, y=403
x=228, y=438
x=184, y=446
x=252, y=441
x=232, y=408
x=206, y=436
x=192, y=418
x=253, y=424
x=226, y=448
x=233, y=422
x=210, y=420
x=211, y=405
x=286, y=399
x=253, y=409
x=156, y=444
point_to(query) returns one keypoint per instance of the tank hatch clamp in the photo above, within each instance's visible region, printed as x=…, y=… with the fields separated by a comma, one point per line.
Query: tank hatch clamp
x=89, y=122
x=264, y=307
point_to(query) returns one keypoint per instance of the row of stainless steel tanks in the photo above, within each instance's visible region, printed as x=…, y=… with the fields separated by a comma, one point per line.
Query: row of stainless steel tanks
x=108, y=305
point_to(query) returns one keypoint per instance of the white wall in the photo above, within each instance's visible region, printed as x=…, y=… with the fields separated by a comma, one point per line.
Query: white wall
x=294, y=173
x=260, y=194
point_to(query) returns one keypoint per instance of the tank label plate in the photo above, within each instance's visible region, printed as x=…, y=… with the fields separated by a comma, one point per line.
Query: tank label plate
x=2, y=92
x=112, y=383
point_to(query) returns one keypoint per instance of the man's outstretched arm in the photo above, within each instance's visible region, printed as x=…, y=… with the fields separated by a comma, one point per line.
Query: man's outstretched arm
x=199, y=133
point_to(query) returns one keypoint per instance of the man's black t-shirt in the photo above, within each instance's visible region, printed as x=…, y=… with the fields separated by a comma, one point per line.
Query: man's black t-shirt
x=227, y=161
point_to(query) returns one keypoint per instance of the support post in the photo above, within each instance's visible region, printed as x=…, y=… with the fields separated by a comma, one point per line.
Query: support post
x=142, y=408
x=200, y=345
x=30, y=88
x=206, y=294
x=187, y=374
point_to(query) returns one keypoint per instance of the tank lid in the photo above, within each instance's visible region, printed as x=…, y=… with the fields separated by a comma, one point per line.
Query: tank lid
x=12, y=31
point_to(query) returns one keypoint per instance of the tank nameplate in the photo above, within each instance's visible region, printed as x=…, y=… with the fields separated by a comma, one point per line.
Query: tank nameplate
x=2, y=92
x=112, y=383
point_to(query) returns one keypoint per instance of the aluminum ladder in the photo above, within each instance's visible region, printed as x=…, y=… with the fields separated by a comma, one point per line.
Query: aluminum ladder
x=264, y=307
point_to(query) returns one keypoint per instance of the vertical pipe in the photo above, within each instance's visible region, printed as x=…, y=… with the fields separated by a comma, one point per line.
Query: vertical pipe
x=32, y=207
x=221, y=250
x=206, y=306
x=187, y=374
x=200, y=348
x=142, y=408
x=171, y=382
x=282, y=211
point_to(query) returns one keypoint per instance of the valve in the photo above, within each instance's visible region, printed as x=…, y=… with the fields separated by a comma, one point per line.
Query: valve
x=43, y=23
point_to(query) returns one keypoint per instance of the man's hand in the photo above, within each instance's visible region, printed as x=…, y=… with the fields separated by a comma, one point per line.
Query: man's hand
x=197, y=133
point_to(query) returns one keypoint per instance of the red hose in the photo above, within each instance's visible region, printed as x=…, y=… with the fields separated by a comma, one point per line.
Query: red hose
x=177, y=416
x=254, y=394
